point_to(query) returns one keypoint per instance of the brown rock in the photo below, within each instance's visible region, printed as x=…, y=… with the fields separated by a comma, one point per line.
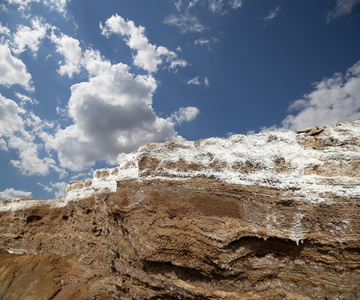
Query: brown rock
x=163, y=225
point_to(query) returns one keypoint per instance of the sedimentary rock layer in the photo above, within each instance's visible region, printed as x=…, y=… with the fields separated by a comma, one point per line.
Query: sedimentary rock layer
x=268, y=216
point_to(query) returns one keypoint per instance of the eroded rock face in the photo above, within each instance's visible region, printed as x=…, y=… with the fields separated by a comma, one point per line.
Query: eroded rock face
x=269, y=216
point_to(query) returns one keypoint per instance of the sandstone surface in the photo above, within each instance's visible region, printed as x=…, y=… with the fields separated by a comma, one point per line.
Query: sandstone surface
x=269, y=216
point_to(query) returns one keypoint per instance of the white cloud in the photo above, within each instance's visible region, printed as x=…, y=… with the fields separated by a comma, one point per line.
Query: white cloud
x=206, y=42
x=59, y=187
x=178, y=63
x=58, y=5
x=206, y=82
x=185, y=23
x=29, y=37
x=334, y=99
x=202, y=42
x=235, y=4
x=178, y=4
x=26, y=99
x=111, y=113
x=192, y=3
x=14, y=135
x=71, y=50
x=22, y=3
x=13, y=70
x=4, y=30
x=3, y=145
x=45, y=187
x=194, y=81
x=11, y=193
x=272, y=13
x=29, y=162
x=185, y=114
x=10, y=121
x=216, y=5
x=343, y=7
x=148, y=56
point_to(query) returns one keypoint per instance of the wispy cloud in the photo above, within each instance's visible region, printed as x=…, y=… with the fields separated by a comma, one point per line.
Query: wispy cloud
x=206, y=42
x=185, y=23
x=58, y=5
x=272, y=13
x=196, y=81
x=215, y=6
x=343, y=7
x=206, y=82
x=235, y=4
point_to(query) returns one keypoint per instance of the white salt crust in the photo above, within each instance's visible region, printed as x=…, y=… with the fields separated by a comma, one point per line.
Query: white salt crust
x=260, y=151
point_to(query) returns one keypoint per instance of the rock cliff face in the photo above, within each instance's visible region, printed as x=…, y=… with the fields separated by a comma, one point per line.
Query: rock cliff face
x=267, y=216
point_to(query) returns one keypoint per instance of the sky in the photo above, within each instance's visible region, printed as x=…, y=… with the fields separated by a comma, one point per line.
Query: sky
x=82, y=80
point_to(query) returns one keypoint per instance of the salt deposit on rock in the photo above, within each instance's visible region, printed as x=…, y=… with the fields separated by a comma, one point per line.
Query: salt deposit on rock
x=269, y=216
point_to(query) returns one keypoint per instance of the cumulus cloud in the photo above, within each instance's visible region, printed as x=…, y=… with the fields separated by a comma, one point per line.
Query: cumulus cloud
x=29, y=162
x=14, y=122
x=10, y=121
x=185, y=23
x=13, y=70
x=148, y=56
x=185, y=114
x=334, y=99
x=29, y=37
x=343, y=7
x=11, y=193
x=71, y=50
x=111, y=113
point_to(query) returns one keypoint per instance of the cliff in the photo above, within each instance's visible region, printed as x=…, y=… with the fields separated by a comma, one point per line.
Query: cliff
x=269, y=216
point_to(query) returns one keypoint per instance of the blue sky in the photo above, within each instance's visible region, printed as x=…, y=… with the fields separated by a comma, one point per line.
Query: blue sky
x=82, y=81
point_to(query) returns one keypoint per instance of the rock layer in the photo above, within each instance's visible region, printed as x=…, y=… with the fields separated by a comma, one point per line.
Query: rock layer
x=269, y=216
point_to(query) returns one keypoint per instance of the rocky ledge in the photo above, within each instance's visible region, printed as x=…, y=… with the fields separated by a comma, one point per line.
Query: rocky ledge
x=269, y=216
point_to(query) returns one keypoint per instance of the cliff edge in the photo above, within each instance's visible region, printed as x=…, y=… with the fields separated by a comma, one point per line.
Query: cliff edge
x=269, y=216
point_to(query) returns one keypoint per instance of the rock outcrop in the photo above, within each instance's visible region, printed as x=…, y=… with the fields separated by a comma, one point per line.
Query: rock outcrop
x=269, y=216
